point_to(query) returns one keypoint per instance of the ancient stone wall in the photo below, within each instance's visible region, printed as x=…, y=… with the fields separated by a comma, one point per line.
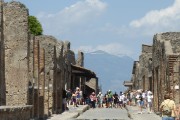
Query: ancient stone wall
x=30, y=72
x=135, y=75
x=59, y=79
x=164, y=52
x=146, y=49
x=144, y=66
x=52, y=72
x=174, y=38
x=33, y=69
x=69, y=58
x=176, y=81
x=15, y=112
x=2, y=58
x=16, y=46
x=69, y=55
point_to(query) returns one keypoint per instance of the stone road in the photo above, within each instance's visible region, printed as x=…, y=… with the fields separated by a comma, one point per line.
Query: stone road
x=83, y=112
x=134, y=114
x=104, y=114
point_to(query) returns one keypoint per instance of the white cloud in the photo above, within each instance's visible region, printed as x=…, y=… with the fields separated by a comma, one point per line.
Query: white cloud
x=164, y=19
x=113, y=48
x=76, y=14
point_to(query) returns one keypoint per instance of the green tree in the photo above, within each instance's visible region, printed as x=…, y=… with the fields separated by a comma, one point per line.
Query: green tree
x=34, y=26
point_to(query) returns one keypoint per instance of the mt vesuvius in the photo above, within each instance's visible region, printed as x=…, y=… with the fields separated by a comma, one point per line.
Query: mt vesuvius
x=111, y=70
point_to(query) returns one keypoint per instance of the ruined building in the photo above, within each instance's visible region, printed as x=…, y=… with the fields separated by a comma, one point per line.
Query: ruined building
x=142, y=70
x=34, y=69
x=165, y=53
x=158, y=68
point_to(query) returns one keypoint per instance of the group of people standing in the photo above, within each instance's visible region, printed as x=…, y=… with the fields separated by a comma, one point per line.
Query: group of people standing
x=110, y=99
x=74, y=98
x=142, y=98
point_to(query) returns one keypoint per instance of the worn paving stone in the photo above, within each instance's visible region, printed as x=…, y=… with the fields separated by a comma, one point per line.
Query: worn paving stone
x=104, y=114
x=134, y=113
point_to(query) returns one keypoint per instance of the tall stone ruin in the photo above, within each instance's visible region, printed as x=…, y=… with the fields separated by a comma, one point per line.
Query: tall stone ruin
x=80, y=59
x=15, y=26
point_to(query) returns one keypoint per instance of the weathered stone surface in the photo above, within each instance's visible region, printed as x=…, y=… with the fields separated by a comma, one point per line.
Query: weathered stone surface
x=41, y=82
x=80, y=59
x=15, y=16
x=33, y=69
x=165, y=49
x=92, y=83
x=135, y=76
x=53, y=67
x=68, y=54
x=15, y=112
x=2, y=58
x=144, y=67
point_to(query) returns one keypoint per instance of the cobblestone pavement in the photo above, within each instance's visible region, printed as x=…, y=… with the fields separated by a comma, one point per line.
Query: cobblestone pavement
x=134, y=114
x=104, y=114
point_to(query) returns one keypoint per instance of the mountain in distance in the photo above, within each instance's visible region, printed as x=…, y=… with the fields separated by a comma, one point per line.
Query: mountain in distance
x=111, y=70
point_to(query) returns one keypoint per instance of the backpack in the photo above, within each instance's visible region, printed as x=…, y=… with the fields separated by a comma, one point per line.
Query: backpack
x=166, y=110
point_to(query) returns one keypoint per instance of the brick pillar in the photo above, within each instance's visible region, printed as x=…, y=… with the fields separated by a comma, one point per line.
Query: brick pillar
x=41, y=82
x=36, y=78
x=30, y=70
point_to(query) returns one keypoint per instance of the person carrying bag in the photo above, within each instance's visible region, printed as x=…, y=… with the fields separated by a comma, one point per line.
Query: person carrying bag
x=168, y=109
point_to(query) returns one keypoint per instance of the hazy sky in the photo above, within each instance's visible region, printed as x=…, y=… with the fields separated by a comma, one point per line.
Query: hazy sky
x=119, y=27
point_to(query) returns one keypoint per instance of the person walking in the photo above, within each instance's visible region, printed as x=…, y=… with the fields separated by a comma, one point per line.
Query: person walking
x=74, y=99
x=168, y=109
x=110, y=99
x=64, y=100
x=121, y=98
x=100, y=100
x=93, y=99
x=116, y=100
x=68, y=97
x=149, y=101
x=140, y=101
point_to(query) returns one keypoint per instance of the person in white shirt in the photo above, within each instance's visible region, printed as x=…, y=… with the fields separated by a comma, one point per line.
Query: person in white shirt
x=121, y=98
x=140, y=101
x=149, y=100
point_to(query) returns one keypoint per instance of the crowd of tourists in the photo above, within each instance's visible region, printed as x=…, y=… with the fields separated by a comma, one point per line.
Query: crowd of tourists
x=109, y=99
x=141, y=98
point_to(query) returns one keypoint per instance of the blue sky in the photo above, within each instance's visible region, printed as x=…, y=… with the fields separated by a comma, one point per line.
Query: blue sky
x=119, y=27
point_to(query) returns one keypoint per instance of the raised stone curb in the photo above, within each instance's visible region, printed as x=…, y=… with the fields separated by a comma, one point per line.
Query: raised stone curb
x=72, y=113
x=133, y=114
x=83, y=109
